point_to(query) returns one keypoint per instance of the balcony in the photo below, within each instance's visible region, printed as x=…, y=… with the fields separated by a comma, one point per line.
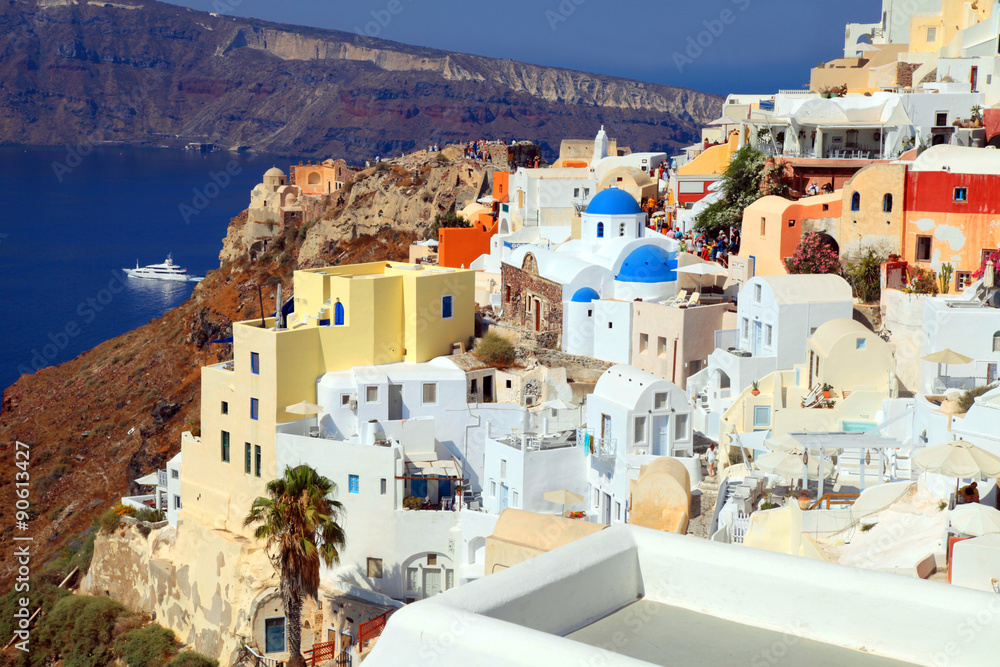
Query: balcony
x=534, y=442
x=601, y=449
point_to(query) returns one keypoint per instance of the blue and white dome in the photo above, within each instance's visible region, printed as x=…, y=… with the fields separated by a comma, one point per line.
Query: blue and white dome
x=613, y=202
x=648, y=264
x=586, y=295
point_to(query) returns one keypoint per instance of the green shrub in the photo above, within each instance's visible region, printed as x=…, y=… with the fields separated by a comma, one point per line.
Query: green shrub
x=865, y=276
x=150, y=515
x=192, y=659
x=968, y=399
x=448, y=220
x=146, y=647
x=109, y=520
x=42, y=594
x=495, y=350
x=77, y=631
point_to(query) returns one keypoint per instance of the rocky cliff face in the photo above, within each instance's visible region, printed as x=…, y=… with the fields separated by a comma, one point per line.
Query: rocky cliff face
x=140, y=71
x=76, y=417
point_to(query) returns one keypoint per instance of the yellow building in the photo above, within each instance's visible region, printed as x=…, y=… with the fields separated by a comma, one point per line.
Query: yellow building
x=345, y=316
x=843, y=354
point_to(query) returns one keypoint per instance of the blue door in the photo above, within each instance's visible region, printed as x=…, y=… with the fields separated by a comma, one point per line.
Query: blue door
x=504, y=491
x=338, y=314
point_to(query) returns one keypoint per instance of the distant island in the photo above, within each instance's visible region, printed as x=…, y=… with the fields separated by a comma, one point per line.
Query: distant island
x=149, y=73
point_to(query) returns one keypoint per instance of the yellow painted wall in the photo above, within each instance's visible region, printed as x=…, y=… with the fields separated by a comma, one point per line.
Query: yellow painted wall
x=871, y=225
x=713, y=161
x=385, y=308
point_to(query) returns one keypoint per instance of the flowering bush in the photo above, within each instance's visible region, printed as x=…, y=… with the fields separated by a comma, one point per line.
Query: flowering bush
x=921, y=281
x=992, y=257
x=813, y=255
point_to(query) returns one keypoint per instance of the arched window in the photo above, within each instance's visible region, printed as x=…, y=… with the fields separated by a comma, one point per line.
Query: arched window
x=887, y=203
x=856, y=202
x=600, y=230
x=338, y=314
x=996, y=342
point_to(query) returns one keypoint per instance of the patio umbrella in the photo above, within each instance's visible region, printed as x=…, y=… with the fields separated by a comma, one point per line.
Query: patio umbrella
x=304, y=408
x=947, y=357
x=725, y=120
x=784, y=464
x=788, y=444
x=488, y=200
x=989, y=277
x=703, y=269
x=975, y=519
x=563, y=497
x=959, y=459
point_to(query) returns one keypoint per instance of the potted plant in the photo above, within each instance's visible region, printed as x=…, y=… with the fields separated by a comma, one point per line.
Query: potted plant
x=829, y=404
x=756, y=389
x=976, y=116
x=827, y=388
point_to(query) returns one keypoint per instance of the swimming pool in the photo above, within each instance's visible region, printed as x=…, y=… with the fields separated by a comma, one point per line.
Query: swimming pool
x=857, y=427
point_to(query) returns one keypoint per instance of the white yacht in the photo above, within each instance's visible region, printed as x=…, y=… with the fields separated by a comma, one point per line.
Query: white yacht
x=166, y=271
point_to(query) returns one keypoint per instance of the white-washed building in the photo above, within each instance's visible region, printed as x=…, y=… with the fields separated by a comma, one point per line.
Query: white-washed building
x=632, y=416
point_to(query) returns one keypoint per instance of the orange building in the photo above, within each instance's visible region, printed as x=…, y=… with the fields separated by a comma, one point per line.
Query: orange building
x=321, y=178
x=773, y=227
x=459, y=247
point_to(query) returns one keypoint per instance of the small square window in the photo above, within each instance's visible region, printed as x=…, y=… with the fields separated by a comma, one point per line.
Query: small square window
x=963, y=279
x=225, y=408
x=432, y=559
x=371, y=394
x=274, y=635
x=509, y=384
x=254, y=408
x=430, y=393
x=618, y=511
x=659, y=401
x=758, y=293
x=256, y=454
x=761, y=415
x=447, y=303
x=374, y=568
x=791, y=223
x=962, y=194
x=175, y=473
x=493, y=489
x=768, y=334
x=924, y=245
x=177, y=502
x=680, y=427
x=248, y=459
x=611, y=325
x=353, y=484
x=861, y=344
x=345, y=400
x=640, y=430
x=255, y=363
x=661, y=347
x=503, y=469
x=643, y=343
x=514, y=501
x=383, y=486
x=931, y=34
x=225, y=446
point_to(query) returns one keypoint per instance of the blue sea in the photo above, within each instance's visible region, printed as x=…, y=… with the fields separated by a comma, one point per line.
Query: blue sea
x=71, y=222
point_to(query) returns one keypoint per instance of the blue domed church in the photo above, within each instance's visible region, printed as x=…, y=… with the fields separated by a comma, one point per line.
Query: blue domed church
x=559, y=293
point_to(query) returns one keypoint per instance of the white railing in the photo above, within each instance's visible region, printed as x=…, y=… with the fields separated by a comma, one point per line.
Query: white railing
x=600, y=448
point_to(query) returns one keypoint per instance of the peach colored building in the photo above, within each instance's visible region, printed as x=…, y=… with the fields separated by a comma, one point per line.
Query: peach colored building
x=772, y=228
x=322, y=178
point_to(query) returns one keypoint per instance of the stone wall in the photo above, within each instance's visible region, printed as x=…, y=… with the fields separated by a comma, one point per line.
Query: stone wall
x=205, y=585
x=521, y=289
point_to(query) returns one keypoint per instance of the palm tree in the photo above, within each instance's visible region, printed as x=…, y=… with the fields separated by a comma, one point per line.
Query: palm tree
x=297, y=521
